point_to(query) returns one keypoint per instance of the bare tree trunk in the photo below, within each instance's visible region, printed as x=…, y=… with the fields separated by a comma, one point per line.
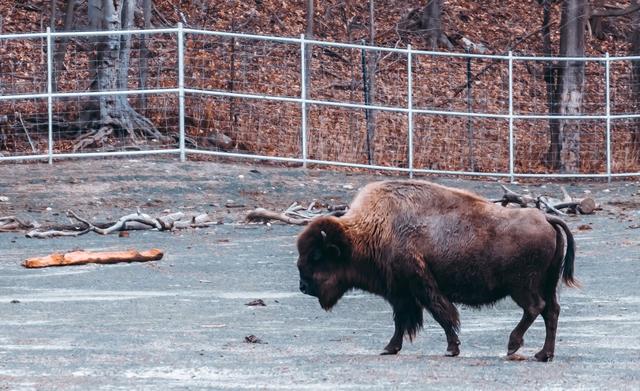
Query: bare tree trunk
x=52, y=23
x=372, y=64
x=431, y=23
x=635, y=85
x=552, y=78
x=572, y=43
x=144, y=51
x=61, y=50
x=110, y=70
x=308, y=54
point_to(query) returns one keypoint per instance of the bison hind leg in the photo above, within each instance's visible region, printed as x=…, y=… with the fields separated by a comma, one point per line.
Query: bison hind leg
x=550, y=314
x=532, y=305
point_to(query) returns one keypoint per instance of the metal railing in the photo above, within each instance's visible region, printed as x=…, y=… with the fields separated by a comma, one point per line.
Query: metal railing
x=411, y=110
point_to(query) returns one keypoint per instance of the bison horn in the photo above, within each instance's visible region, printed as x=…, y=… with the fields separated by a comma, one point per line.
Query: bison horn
x=324, y=235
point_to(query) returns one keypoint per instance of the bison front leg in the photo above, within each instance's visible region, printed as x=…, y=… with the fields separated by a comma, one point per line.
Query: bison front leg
x=407, y=318
x=442, y=310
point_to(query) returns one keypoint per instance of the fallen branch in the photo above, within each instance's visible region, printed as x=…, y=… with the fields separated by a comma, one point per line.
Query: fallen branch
x=548, y=205
x=134, y=221
x=585, y=206
x=13, y=223
x=26, y=132
x=263, y=215
x=511, y=197
x=84, y=257
x=295, y=214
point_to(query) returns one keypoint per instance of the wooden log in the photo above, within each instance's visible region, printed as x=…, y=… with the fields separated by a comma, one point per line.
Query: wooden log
x=84, y=257
x=587, y=206
x=263, y=215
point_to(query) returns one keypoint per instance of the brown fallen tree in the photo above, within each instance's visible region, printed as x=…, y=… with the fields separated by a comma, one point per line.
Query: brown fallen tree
x=84, y=257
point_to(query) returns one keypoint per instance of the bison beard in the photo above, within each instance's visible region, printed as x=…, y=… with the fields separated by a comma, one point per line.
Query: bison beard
x=425, y=246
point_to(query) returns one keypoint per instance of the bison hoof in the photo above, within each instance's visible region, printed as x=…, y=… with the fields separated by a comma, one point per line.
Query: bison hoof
x=453, y=348
x=390, y=350
x=452, y=351
x=514, y=346
x=543, y=356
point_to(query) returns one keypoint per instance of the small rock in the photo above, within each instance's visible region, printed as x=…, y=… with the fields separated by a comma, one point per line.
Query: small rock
x=15, y=301
x=123, y=234
x=253, y=339
x=348, y=186
x=4, y=199
x=256, y=303
x=584, y=227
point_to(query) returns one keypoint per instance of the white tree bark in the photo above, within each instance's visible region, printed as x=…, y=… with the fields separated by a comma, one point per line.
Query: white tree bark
x=635, y=84
x=572, y=43
x=431, y=21
x=111, y=69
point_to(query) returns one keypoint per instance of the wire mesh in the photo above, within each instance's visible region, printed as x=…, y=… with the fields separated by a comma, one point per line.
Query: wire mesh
x=454, y=143
x=385, y=146
x=625, y=142
x=141, y=61
x=242, y=65
x=244, y=96
x=357, y=75
x=247, y=126
x=534, y=154
x=536, y=87
x=23, y=69
x=476, y=85
x=23, y=127
x=78, y=128
x=625, y=87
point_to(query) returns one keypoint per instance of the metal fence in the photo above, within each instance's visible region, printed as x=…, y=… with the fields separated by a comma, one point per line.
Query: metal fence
x=220, y=94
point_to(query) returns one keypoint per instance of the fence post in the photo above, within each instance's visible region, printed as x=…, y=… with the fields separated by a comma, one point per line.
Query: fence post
x=410, y=107
x=511, y=151
x=607, y=64
x=303, y=97
x=181, y=91
x=49, y=97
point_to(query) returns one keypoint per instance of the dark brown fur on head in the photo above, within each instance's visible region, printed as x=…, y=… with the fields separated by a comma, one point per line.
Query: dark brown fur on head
x=324, y=260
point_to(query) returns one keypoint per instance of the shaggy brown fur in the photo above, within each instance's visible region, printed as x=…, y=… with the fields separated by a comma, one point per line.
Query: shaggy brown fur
x=421, y=245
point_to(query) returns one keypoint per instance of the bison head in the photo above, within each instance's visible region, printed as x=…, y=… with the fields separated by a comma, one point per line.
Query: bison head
x=324, y=258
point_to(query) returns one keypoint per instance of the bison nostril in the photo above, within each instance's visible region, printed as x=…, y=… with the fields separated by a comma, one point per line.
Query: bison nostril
x=303, y=287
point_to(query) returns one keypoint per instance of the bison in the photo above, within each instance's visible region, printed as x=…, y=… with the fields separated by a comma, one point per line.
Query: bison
x=422, y=245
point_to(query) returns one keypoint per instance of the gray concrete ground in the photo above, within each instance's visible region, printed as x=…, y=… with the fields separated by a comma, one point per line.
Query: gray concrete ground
x=180, y=323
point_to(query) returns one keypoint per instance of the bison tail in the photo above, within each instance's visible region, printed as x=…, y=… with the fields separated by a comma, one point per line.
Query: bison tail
x=569, y=256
